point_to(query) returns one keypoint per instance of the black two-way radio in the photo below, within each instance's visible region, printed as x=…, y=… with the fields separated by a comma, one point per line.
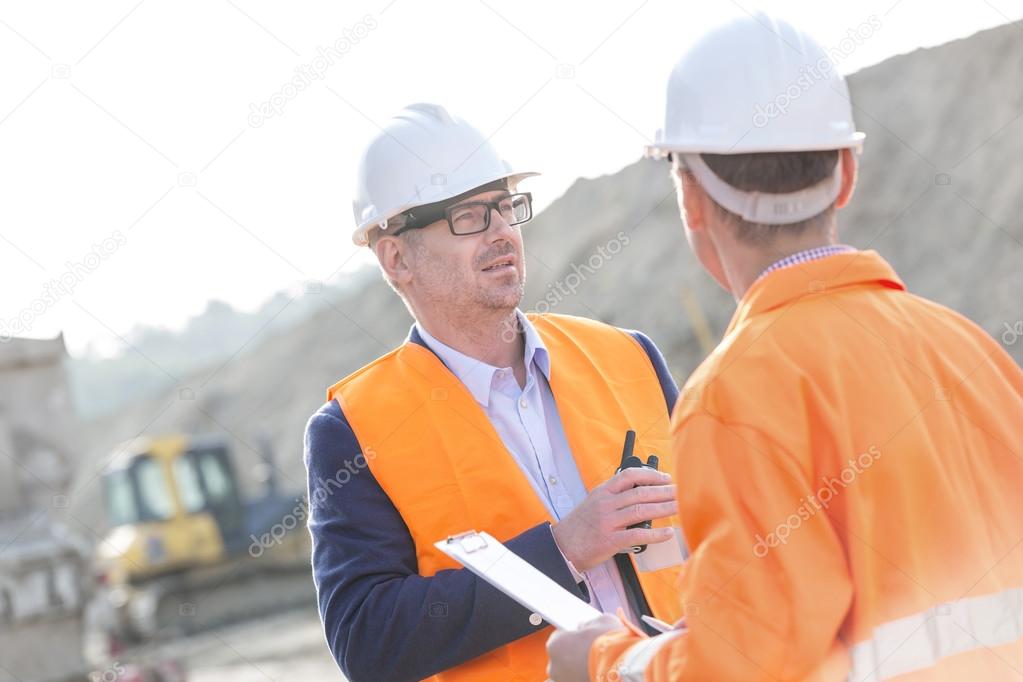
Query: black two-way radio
x=630, y=461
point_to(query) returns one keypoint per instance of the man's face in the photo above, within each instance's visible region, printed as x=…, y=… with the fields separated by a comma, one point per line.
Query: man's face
x=484, y=271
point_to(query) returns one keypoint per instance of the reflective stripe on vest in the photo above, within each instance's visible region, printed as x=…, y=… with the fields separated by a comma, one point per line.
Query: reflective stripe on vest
x=920, y=641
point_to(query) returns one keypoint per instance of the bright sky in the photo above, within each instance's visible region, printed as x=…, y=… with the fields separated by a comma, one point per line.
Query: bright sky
x=134, y=173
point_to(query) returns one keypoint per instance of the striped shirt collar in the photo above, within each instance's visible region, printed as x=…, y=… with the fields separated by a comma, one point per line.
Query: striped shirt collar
x=805, y=257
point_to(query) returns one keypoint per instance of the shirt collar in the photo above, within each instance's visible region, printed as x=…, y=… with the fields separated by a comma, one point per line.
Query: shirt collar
x=805, y=257
x=478, y=376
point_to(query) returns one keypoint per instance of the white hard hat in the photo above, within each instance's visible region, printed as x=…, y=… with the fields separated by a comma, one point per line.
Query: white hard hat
x=421, y=156
x=757, y=84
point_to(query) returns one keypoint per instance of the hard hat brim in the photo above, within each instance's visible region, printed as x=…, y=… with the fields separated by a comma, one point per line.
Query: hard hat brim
x=661, y=150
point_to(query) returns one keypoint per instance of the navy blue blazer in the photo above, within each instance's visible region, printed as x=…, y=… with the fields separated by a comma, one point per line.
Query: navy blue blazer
x=382, y=620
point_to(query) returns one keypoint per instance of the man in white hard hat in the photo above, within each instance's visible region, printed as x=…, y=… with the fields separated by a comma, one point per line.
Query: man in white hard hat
x=853, y=454
x=485, y=419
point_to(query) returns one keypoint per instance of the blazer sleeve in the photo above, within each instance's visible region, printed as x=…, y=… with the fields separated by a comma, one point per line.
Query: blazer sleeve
x=382, y=620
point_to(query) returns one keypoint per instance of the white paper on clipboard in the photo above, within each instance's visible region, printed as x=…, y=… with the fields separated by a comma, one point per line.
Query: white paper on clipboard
x=508, y=572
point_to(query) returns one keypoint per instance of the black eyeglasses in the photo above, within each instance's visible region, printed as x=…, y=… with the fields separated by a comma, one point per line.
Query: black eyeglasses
x=470, y=217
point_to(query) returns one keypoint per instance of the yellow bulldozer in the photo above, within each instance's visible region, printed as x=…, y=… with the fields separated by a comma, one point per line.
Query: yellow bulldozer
x=185, y=551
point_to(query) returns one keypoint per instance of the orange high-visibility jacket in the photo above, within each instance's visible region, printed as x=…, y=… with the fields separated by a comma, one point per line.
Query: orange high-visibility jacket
x=435, y=453
x=850, y=466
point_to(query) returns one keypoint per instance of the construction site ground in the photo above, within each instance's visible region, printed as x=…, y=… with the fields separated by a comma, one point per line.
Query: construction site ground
x=286, y=647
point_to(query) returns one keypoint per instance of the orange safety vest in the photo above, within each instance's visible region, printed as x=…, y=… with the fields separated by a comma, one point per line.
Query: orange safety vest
x=853, y=492
x=440, y=461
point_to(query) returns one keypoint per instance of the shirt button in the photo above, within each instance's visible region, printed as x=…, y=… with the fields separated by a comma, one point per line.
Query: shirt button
x=553, y=480
x=535, y=619
x=523, y=404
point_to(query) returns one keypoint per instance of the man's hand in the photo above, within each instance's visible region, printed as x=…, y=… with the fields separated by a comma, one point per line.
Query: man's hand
x=598, y=529
x=568, y=652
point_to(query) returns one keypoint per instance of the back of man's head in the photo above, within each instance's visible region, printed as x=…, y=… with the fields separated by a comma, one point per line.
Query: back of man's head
x=759, y=116
x=773, y=173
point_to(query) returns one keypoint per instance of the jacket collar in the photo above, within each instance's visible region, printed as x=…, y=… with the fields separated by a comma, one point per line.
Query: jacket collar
x=415, y=337
x=839, y=271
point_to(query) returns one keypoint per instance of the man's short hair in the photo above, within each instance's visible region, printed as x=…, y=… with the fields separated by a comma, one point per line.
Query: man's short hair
x=775, y=173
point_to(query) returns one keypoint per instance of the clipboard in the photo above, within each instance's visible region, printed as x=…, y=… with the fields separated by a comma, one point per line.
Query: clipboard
x=508, y=572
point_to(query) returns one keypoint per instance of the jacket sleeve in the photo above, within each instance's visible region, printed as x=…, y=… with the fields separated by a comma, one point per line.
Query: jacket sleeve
x=766, y=588
x=382, y=620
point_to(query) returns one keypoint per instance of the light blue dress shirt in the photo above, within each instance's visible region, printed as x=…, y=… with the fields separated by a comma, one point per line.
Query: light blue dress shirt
x=528, y=423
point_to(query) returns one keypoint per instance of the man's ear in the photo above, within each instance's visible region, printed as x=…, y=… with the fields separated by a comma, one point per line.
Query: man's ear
x=392, y=253
x=847, y=160
x=693, y=200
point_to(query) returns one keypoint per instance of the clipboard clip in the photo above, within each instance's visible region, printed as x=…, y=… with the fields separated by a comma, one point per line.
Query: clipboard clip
x=470, y=541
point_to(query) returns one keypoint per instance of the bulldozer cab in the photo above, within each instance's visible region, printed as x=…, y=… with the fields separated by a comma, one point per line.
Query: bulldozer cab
x=170, y=481
x=207, y=482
